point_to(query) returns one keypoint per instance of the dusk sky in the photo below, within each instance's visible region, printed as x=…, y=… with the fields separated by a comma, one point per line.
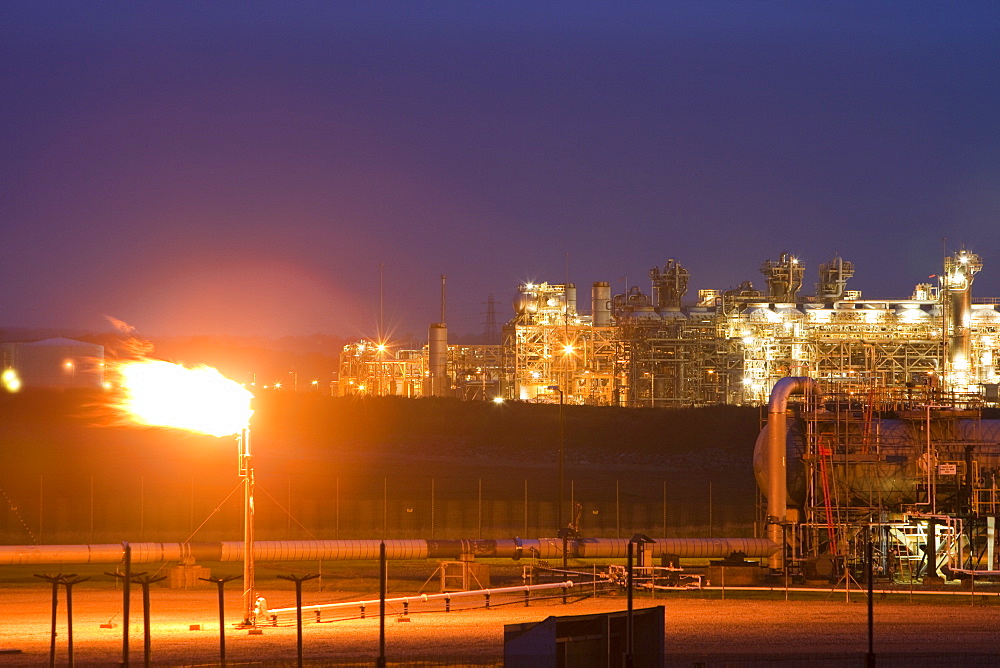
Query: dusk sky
x=245, y=167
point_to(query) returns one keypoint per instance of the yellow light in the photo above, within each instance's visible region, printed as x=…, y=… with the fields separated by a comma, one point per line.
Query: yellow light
x=568, y=349
x=498, y=400
x=199, y=399
x=11, y=381
x=277, y=386
x=381, y=347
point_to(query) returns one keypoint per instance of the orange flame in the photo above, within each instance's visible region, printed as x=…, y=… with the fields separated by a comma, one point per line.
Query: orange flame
x=156, y=393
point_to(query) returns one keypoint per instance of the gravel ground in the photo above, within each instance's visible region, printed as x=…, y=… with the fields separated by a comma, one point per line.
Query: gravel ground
x=710, y=632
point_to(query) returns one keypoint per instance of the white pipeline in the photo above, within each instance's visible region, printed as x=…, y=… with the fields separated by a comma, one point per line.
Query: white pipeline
x=346, y=550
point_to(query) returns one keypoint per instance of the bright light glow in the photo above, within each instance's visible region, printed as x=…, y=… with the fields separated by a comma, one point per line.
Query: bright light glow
x=199, y=399
x=380, y=347
x=498, y=400
x=568, y=349
x=11, y=381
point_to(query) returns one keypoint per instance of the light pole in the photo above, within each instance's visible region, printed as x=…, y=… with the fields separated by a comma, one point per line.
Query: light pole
x=562, y=442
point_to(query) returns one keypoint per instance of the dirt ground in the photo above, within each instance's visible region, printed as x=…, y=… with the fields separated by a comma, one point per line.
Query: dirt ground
x=710, y=632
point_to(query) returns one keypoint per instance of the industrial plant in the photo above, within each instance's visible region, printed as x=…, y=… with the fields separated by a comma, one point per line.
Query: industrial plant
x=874, y=432
x=726, y=347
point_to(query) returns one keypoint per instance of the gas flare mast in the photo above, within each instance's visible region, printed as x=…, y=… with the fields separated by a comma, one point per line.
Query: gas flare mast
x=724, y=347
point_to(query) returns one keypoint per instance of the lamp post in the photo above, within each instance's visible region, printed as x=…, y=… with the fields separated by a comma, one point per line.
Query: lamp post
x=562, y=443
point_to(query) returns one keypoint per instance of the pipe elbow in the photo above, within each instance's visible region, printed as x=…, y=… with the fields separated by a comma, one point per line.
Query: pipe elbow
x=786, y=387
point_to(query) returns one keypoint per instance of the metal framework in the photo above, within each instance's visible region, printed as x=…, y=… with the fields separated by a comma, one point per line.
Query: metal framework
x=914, y=469
x=730, y=347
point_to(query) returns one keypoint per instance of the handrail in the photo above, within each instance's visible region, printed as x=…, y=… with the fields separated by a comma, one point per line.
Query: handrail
x=420, y=598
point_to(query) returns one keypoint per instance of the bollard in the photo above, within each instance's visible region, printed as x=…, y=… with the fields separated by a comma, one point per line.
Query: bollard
x=527, y=596
x=406, y=608
x=447, y=603
x=564, y=594
x=487, y=600
x=362, y=611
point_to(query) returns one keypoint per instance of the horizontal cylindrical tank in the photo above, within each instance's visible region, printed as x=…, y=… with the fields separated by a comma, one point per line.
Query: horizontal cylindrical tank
x=896, y=463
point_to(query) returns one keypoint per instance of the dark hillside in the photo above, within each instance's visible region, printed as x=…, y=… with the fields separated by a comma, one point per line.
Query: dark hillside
x=369, y=467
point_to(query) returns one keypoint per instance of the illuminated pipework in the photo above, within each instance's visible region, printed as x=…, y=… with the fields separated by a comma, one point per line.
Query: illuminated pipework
x=729, y=348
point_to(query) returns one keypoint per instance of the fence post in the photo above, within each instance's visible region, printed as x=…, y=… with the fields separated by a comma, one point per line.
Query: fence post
x=525, y=506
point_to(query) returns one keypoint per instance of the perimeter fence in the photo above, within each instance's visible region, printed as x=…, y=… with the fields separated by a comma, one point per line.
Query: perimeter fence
x=100, y=507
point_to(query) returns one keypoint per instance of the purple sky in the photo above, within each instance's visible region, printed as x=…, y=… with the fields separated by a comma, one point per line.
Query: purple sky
x=244, y=168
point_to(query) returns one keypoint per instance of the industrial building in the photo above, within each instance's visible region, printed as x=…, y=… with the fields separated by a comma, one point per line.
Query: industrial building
x=724, y=347
x=52, y=364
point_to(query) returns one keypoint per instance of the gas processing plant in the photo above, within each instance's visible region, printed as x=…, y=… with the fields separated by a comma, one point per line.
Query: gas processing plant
x=874, y=433
x=729, y=347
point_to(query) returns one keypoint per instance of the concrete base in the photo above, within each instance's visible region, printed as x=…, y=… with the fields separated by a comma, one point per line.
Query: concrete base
x=188, y=576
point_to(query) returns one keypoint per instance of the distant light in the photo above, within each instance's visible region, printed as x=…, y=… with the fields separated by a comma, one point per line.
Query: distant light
x=380, y=347
x=277, y=386
x=498, y=400
x=568, y=349
x=10, y=380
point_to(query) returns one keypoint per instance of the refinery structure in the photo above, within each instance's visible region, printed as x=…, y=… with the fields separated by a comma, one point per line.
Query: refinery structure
x=722, y=347
x=875, y=433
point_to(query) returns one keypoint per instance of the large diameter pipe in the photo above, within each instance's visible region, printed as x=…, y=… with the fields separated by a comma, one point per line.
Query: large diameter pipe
x=777, y=465
x=705, y=548
x=366, y=550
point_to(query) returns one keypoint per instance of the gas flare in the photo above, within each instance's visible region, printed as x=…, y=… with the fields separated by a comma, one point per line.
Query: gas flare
x=157, y=393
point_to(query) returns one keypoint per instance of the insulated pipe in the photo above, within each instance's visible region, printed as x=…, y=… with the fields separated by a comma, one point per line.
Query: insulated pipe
x=616, y=548
x=777, y=465
x=346, y=550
